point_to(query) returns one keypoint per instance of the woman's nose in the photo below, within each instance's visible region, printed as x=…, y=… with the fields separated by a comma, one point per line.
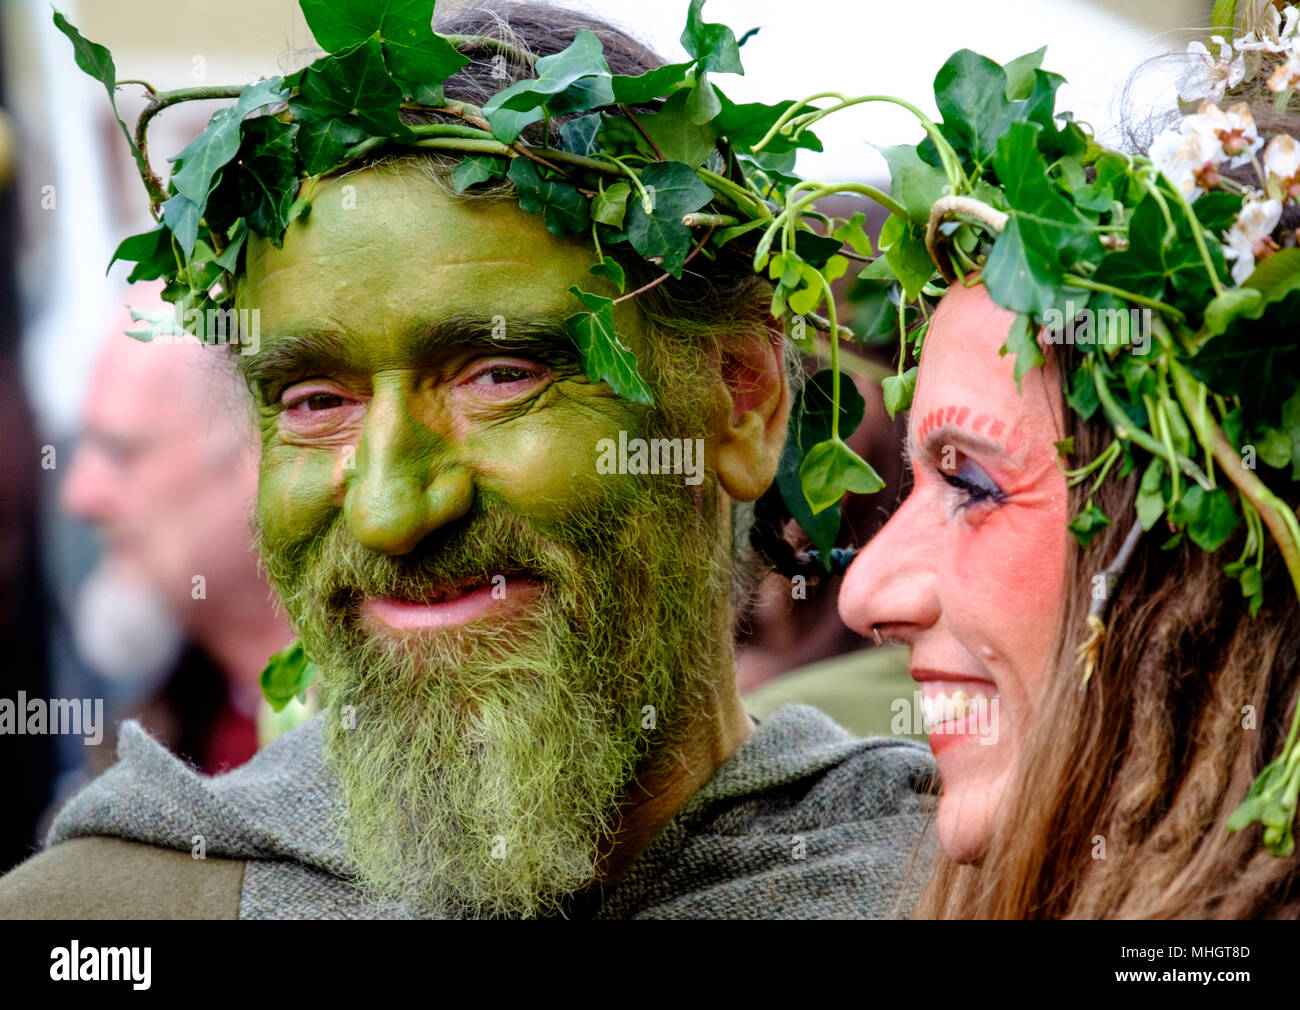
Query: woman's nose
x=892, y=584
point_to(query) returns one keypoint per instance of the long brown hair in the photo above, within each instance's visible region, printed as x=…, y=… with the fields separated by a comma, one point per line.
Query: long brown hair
x=1122, y=792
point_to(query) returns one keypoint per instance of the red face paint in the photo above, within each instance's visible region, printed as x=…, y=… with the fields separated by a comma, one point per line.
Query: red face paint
x=969, y=570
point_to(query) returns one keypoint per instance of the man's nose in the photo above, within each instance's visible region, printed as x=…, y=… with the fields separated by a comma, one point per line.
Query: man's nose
x=88, y=489
x=893, y=582
x=407, y=480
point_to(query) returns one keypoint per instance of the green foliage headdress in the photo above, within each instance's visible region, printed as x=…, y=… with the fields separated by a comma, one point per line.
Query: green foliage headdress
x=1004, y=185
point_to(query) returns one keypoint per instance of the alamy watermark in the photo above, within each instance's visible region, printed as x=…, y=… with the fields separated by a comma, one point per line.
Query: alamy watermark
x=242, y=327
x=1089, y=327
x=25, y=716
x=947, y=715
x=652, y=456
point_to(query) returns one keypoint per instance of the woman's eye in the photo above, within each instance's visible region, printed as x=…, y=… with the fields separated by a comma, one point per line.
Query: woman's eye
x=974, y=484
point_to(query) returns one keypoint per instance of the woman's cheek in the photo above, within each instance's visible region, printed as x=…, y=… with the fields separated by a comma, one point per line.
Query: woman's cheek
x=297, y=492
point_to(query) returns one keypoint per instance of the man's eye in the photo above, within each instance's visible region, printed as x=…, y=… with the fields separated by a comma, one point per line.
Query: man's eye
x=317, y=401
x=974, y=484
x=503, y=375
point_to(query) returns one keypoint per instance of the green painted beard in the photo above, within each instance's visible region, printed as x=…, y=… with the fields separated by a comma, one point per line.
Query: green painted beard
x=482, y=768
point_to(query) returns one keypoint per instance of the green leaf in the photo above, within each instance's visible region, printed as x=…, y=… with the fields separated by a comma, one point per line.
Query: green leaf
x=1022, y=341
x=580, y=135
x=610, y=204
x=229, y=257
x=745, y=125
x=1088, y=523
x=853, y=233
x=212, y=149
x=714, y=46
x=1209, y=516
x=677, y=190
x=912, y=182
x=898, y=391
x=97, y=61
x=676, y=135
x=415, y=55
x=321, y=143
x=611, y=271
x=151, y=252
x=970, y=91
x=583, y=58
x=907, y=255
x=810, y=423
x=830, y=469
x=288, y=673
x=355, y=88
x=1020, y=74
x=652, y=84
x=475, y=168
x=1151, y=494
x=1044, y=235
x=564, y=209
x=268, y=180
x=604, y=356
x=181, y=215
x=703, y=103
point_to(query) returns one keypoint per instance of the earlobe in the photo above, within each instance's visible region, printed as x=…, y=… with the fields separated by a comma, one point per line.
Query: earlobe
x=750, y=432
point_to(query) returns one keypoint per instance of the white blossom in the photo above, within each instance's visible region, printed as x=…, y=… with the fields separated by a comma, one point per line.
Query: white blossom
x=1188, y=158
x=1278, y=37
x=1233, y=130
x=1286, y=75
x=1208, y=76
x=1251, y=237
x=1282, y=164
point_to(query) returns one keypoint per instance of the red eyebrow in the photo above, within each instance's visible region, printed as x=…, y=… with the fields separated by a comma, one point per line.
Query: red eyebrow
x=961, y=416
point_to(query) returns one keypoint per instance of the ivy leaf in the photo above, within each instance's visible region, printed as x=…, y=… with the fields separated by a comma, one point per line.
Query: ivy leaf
x=854, y=234
x=416, y=56
x=151, y=252
x=288, y=673
x=611, y=271
x=1209, y=516
x=745, y=125
x=181, y=215
x=579, y=135
x=652, y=84
x=321, y=142
x=354, y=88
x=1020, y=74
x=1088, y=523
x=1044, y=235
x=830, y=469
x=475, y=168
x=677, y=135
x=1082, y=396
x=677, y=190
x=970, y=91
x=604, y=356
x=218, y=144
x=898, y=391
x=268, y=182
x=810, y=424
x=703, y=103
x=1151, y=494
x=907, y=256
x=563, y=208
x=610, y=204
x=229, y=258
x=912, y=182
x=97, y=61
x=1022, y=341
x=583, y=58
x=714, y=46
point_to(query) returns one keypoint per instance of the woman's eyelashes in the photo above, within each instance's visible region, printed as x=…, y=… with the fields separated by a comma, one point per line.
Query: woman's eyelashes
x=973, y=484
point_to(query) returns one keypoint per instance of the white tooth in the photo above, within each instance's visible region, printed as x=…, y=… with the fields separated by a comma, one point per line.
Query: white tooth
x=958, y=704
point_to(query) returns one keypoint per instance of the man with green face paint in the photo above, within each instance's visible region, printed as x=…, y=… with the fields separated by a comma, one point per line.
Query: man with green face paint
x=525, y=657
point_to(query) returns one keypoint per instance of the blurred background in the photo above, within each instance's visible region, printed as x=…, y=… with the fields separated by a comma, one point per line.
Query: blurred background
x=125, y=569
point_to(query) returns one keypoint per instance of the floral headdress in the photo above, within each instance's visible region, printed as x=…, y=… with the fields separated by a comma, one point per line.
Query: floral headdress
x=663, y=166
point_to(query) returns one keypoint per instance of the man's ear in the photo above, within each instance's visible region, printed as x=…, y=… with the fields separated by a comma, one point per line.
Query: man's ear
x=750, y=429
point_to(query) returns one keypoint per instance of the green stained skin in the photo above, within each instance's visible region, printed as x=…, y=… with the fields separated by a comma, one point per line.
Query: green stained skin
x=384, y=251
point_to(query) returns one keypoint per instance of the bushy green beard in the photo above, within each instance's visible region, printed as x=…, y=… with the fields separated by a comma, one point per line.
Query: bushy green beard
x=482, y=768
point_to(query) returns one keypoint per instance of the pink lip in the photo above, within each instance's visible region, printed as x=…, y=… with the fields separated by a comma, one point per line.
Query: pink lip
x=921, y=676
x=404, y=615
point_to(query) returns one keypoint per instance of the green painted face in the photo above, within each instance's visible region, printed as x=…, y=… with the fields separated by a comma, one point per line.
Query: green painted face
x=358, y=412
x=426, y=431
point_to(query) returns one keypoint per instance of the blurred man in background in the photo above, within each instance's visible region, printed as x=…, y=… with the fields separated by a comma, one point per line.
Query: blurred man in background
x=176, y=613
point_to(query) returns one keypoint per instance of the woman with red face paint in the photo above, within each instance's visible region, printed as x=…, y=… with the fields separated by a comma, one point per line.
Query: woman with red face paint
x=1116, y=800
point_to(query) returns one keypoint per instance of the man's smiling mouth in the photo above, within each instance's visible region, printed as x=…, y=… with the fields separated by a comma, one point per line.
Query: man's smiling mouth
x=453, y=605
